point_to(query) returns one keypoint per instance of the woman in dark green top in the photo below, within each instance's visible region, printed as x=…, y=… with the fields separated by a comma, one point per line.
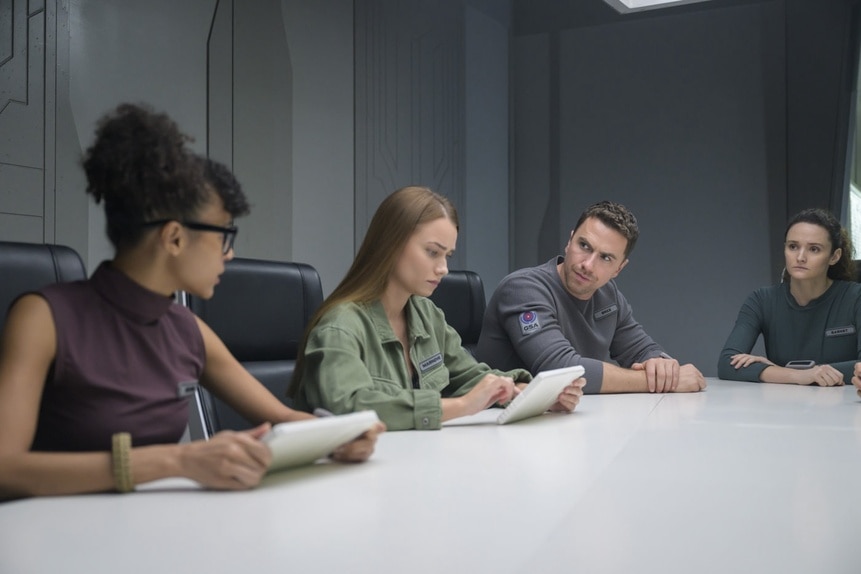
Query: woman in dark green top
x=812, y=318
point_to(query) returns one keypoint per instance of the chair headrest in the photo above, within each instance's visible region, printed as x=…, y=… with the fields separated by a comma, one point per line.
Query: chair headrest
x=260, y=308
x=30, y=266
x=460, y=295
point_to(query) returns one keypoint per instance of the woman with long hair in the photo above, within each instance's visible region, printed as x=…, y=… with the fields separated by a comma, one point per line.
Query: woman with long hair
x=378, y=343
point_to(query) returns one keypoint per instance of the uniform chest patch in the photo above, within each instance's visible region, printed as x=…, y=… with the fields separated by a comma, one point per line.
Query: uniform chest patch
x=840, y=331
x=529, y=322
x=430, y=363
x=601, y=313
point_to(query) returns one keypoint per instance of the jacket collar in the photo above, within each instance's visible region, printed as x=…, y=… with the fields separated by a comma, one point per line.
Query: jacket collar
x=415, y=322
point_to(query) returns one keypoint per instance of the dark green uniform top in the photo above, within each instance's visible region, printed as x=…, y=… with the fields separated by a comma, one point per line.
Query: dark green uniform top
x=826, y=330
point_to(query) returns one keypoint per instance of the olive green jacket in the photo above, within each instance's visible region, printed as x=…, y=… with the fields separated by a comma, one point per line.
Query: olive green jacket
x=353, y=361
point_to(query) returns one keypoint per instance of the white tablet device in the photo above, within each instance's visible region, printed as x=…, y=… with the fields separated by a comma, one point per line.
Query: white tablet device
x=540, y=394
x=303, y=442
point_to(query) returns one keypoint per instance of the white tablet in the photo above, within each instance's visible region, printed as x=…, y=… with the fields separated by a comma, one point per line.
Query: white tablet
x=303, y=442
x=540, y=394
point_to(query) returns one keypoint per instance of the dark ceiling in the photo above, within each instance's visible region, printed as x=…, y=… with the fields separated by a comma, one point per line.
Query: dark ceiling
x=537, y=16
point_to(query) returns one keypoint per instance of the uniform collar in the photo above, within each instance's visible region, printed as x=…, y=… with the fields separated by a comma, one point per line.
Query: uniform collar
x=133, y=300
x=828, y=294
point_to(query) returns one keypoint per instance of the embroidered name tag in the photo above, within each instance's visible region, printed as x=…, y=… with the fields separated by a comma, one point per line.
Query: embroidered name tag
x=430, y=363
x=840, y=331
x=606, y=311
x=529, y=322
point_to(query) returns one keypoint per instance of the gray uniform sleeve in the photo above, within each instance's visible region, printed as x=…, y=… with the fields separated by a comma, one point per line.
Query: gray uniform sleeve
x=743, y=337
x=631, y=344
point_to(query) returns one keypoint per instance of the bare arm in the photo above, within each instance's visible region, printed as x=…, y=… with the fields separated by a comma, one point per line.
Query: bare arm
x=822, y=375
x=490, y=390
x=27, y=349
x=228, y=379
x=654, y=375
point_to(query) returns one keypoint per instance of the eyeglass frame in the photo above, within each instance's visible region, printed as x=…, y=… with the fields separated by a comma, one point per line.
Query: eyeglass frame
x=228, y=233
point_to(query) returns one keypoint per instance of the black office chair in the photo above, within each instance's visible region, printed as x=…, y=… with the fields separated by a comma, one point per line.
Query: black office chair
x=857, y=270
x=30, y=266
x=460, y=295
x=260, y=310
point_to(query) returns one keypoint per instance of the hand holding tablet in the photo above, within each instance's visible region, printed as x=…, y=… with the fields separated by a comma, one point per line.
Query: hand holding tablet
x=303, y=442
x=540, y=394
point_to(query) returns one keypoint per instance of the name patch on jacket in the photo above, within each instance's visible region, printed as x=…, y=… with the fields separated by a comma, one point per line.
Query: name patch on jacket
x=529, y=322
x=605, y=311
x=840, y=331
x=430, y=362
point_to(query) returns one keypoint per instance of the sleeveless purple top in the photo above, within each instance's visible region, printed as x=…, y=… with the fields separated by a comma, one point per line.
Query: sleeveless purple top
x=122, y=350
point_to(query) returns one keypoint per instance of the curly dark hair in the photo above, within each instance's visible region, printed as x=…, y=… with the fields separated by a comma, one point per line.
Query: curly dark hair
x=140, y=166
x=844, y=269
x=615, y=216
x=226, y=186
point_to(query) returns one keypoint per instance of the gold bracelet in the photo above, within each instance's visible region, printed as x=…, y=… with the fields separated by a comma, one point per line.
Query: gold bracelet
x=121, y=446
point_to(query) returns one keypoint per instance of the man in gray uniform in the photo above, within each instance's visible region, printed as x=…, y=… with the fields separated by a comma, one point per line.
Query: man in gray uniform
x=570, y=312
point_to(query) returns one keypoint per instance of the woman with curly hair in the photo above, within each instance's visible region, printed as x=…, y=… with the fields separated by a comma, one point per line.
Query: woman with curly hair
x=86, y=368
x=811, y=321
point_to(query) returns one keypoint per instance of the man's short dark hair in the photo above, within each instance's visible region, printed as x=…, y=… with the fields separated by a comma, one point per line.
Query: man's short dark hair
x=616, y=216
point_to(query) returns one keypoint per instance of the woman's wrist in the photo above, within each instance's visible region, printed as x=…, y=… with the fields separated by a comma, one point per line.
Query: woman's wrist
x=158, y=461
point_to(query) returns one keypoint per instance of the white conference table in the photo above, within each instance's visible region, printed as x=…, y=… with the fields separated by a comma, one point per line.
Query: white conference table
x=740, y=478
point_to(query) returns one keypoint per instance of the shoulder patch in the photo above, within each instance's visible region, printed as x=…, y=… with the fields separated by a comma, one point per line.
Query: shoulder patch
x=529, y=322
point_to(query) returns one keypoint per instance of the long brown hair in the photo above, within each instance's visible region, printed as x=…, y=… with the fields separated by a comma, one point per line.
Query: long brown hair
x=394, y=222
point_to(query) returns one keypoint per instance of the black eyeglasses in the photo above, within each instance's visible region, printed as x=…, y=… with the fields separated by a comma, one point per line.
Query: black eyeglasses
x=228, y=233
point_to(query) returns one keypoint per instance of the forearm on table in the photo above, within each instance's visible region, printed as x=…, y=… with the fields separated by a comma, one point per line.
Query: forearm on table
x=48, y=473
x=751, y=373
x=453, y=408
x=775, y=374
x=619, y=380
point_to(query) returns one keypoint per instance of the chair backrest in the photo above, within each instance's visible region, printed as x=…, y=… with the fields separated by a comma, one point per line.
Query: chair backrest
x=260, y=310
x=29, y=266
x=460, y=295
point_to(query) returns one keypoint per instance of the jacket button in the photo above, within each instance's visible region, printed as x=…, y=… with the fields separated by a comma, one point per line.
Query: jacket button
x=425, y=421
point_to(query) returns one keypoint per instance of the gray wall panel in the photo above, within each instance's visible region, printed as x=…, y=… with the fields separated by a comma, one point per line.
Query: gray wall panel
x=320, y=35
x=262, y=121
x=115, y=57
x=531, y=190
x=668, y=116
x=409, y=101
x=484, y=227
x=26, y=146
x=220, y=77
x=71, y=204
x=21, y=190
x=20, y=228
